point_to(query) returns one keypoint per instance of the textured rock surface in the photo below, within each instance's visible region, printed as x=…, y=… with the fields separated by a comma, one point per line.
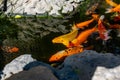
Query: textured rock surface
x=36, y=73
x=67, y=73
x=102, y=73
x=38, y=63
x=16, y=65
x=52, y=7
x=90, y=65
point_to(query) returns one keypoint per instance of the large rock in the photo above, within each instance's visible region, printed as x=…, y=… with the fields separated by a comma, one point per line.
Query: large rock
x=16, y=65
x=91, y=65
x=67, y=73
x=88, y=65
x=35, y=73
x=39, y=63
x=32, y=7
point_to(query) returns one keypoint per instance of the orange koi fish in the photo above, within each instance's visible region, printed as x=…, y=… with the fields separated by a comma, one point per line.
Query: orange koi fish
x=13, y=50
x=10, y=49
x=115, y=9
x=82, y=37
x=66, y=38
x=111, y=3
x=83, y=24
x=61, y=55
x=86, y=23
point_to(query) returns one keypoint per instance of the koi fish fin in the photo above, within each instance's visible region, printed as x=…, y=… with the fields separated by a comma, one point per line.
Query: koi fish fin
x=74, y=27
x=102, y=17
x=108, y=10
x=66, y=43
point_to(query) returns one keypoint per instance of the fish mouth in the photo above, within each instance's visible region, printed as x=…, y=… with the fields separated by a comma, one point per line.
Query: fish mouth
x=53, y=41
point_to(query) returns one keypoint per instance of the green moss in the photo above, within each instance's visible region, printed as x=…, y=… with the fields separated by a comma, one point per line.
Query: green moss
x=7, y=28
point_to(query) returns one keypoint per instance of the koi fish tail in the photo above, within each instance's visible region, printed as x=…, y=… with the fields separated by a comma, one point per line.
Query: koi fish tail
x=109, y=10
x=111, y=3
x=95, y=16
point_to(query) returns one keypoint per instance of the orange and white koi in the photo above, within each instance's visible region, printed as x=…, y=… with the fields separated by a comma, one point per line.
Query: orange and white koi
x=9, y=49
x=111, y=3
x=103, y=33
x=61, y=55
x=82, y=37
x=115, y=9
x=66, y=38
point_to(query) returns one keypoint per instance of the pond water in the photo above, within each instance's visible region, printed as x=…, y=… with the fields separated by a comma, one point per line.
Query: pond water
x=33, y=34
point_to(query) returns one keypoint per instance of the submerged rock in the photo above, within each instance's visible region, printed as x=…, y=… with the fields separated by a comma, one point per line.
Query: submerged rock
x=39, y=63
x=91, y=65
x=35, y=73
x=67, y=73
x=16, y=65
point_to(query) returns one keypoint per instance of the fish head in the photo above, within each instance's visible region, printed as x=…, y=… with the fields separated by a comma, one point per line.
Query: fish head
x=59, y=56
x=61, y=40
x=57, y=40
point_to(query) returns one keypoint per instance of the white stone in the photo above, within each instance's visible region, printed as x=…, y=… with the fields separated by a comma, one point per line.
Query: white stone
x=52, y=7
x=67, y=8
x=16, y=65
x=102, y=73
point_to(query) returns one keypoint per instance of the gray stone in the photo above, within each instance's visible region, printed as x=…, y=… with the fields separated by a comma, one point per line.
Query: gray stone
x=39, y=63
x=90, y=65
x=35, y=73
x=67, y=73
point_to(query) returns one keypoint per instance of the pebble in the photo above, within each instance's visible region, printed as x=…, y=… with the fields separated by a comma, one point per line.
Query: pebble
x=33, y=7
